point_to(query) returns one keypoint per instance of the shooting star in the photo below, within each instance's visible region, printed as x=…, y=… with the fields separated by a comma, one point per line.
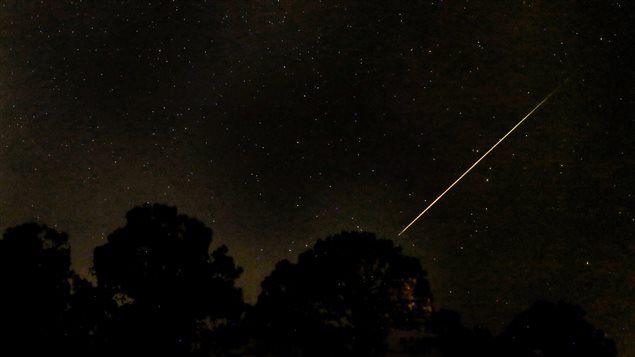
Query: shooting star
x=481, y=158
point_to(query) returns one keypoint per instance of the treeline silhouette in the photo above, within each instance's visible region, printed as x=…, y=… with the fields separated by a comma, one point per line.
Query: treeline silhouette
x=159, y=291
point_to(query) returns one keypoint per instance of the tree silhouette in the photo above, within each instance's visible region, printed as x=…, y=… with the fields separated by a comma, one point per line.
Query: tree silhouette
x=35, y=277
x=547, y=329
x=166, y=293
x=455, y=340
x=341, y=298
x=86, y=314
x=444, y=335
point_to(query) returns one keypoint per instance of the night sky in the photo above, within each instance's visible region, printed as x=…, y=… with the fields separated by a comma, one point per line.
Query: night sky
x=280, y=122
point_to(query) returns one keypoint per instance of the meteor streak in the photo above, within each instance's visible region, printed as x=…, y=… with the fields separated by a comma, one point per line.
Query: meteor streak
x=481, y=158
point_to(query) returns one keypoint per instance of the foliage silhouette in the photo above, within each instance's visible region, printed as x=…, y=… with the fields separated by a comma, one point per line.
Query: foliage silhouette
x=86, y=314
x=341, y=298
x=558, y=330
x=166, y=293
x=445, y=335
x=455, y=340
x=161, y=292
x=35, y=277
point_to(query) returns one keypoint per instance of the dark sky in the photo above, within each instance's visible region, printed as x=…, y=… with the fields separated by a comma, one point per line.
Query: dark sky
x=281, y=122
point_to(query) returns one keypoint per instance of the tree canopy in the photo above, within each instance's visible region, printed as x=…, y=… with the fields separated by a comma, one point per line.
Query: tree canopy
x=548, y=329
x=167, y=290
x=341, y=297
x=35, y=277
x=160, y=290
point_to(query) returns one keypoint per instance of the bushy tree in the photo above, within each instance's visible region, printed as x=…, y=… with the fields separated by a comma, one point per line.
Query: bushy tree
x=35, y=280
x=168, y=294
x=340, y=298
x=554, y=330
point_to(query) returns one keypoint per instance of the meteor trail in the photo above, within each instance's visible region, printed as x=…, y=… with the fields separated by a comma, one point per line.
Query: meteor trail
x=481, y=158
